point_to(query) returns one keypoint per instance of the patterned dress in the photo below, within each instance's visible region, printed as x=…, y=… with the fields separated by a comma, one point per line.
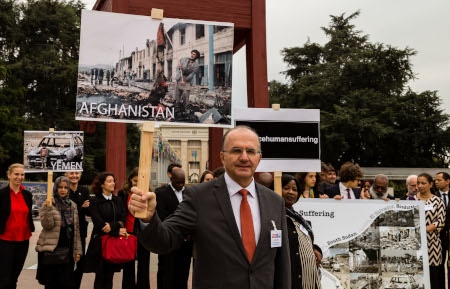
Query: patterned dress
x=435, y=216
x=304, y=271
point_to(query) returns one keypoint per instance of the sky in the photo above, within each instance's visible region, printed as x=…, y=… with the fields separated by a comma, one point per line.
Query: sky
x=421, y=25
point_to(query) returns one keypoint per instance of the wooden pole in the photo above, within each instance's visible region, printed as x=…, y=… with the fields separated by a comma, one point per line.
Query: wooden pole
x=277, y=182
x=145, y=158
x=50, y=186
x=50, y=179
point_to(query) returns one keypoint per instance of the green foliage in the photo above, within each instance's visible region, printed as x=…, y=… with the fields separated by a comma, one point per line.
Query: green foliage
x=39, y=41
x=368, y=113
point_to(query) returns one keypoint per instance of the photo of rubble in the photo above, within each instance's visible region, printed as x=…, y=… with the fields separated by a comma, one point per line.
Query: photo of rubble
x=364, y=261
x=134, y=69
x=369, y=239
x=365, y=280
x=336, y=260
x=399, y=238
x=58, y=151
x=402, y=261
x=397, y=218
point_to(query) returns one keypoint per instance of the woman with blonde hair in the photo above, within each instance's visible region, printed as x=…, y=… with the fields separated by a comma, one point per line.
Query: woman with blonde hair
x=16, y=225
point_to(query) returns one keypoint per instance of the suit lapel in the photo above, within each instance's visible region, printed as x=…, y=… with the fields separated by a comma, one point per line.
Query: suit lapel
x=223, y=199
x=172, y=196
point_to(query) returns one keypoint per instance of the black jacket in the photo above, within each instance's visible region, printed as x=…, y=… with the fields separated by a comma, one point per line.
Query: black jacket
x=104, y=211
x=79, y=197
x=5, y=207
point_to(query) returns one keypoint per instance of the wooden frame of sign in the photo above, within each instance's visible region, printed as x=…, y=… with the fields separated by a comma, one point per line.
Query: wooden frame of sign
x=249, y=18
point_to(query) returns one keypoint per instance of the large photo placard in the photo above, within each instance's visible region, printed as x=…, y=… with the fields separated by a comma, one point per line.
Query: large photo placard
x=369, y=244
x=134, y=69
x=58, y=151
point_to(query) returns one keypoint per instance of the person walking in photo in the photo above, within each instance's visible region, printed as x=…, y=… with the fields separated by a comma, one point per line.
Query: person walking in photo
x=186, y=70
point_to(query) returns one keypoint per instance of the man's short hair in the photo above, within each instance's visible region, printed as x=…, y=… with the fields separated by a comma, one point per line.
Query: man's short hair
x=381, y=176
x=172, y=166
x=218, y=172
x=350, y=172
x=196, y=53
x=240, y=127
x=408, y=179
x=445, y=175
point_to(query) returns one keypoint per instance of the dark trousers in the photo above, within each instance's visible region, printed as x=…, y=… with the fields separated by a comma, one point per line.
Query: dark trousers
x=143, y=271
x=78, y=273
x=173, y=268
x=12, y=258
x=104, y=280
x=437, y=277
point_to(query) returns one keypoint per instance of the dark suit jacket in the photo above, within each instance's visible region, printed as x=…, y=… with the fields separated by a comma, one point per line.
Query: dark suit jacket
x=336, y=191
x=206, y=214
x=5, y=207
x=166, y=201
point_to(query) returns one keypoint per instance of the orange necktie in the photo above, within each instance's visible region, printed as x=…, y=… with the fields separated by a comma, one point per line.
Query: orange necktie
x=247, y=230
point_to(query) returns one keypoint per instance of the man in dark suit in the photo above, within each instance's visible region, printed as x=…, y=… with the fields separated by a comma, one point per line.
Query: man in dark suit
x=235, y=223
x=349, y=175
x=442, y=182
x=173, y=267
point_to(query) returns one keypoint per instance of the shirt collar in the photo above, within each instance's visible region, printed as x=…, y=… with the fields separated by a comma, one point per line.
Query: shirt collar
x=234, y=188
x=443, y=192
x=109, y=198
x=182, y=189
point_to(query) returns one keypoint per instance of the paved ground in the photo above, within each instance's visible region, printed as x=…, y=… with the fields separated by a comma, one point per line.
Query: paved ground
x=27, y=278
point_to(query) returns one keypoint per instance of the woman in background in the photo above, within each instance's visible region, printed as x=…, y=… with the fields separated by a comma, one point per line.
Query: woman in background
x=133, y=226
x=304, y=271
x=308, y=182
x=207, y=176
x=60, y=229
x=435, y=221
x=16, y=225
x=80, y=195
x=108, y=215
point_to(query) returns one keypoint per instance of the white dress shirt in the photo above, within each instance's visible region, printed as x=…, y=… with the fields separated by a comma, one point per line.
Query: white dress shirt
x=446, y=197
x=236, y=198
x=179, y=194
x=109, y=198
x=344, y=193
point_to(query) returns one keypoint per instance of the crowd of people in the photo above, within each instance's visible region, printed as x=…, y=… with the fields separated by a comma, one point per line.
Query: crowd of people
x=231, y=228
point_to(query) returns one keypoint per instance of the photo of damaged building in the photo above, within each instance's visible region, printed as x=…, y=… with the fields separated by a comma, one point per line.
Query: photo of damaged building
x=183, y=75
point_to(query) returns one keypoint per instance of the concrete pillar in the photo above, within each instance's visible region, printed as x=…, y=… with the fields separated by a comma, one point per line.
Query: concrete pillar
x=184, y=158
x=203, y=156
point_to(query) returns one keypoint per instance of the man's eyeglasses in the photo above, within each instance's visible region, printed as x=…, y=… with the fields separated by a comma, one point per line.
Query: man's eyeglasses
x=239, y=151
x=376, y=188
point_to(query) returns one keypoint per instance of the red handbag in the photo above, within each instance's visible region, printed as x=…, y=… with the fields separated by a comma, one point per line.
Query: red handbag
x=120, y=249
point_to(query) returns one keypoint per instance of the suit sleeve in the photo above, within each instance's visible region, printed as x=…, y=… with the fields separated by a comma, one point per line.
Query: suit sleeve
x=282, y=278
x=163, y=237
x=331, y=192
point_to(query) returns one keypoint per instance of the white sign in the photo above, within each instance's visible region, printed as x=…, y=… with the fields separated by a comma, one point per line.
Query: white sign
x=369, y=244
x=290, y=138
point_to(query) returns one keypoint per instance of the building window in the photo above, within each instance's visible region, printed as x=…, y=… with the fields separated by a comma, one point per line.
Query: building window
x=195, y=143
x=219, y=28
x=182, y=36
x=199, y=31
x=175, y=143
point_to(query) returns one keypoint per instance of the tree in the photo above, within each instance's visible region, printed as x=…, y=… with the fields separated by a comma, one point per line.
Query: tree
x=368, y=113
